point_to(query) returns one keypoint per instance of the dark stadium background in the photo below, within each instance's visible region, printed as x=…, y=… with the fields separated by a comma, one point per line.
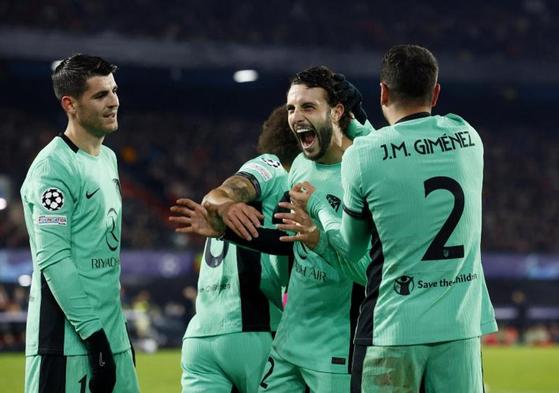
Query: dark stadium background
x=185, y=125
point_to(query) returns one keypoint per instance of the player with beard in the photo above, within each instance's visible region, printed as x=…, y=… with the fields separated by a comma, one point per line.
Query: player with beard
x=313, y=345
x=238, y=307
x=427, y=303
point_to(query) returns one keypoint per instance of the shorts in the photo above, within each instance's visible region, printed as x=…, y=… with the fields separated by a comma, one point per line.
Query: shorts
x=281, y=376
x=71, y=374
x=225, y=363
x=453, y=366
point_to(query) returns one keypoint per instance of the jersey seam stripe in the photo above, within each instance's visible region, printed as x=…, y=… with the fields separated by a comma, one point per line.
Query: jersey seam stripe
x=366, y=320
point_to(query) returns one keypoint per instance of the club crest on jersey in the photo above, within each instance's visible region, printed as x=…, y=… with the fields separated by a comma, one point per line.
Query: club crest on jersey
x=334, y=201
x=117, y=185
x=52, y=199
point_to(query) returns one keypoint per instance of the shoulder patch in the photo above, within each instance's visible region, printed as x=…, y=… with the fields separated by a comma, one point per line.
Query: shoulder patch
x=52, y=199
x=270, y=162
x=52, y=220
x=264, y=172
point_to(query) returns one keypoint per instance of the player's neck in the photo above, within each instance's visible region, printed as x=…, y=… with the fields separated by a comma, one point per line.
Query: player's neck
x=340, y=142
x=395, y=114
x=87, y=142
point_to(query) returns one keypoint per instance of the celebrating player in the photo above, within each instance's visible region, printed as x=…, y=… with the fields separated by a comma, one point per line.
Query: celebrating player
x=239, y=305
x=413, y=190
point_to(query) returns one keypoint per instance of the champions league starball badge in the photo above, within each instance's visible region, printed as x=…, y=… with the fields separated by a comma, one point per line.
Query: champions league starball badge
x=52, y=199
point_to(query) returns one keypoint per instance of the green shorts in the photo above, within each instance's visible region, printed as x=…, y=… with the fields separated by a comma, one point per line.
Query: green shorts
x=281, y=376
x=71, y=374
x=225, y=363
x=453, y=366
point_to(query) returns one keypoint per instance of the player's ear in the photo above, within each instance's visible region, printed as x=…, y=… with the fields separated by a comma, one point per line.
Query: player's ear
x=68, y=104
x=436, y=92
x=384, y=94
x=337, y=112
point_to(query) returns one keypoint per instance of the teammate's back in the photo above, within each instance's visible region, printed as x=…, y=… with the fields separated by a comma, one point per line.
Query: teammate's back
x=422, y=180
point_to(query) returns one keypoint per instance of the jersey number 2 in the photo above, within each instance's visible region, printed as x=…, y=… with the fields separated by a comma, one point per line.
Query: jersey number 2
x=437, y=249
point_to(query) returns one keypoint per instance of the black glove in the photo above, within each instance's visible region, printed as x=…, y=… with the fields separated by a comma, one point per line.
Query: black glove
x=350, y=97
x=103, y=368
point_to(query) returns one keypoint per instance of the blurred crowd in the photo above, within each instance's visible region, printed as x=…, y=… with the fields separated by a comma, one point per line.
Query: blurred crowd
x=514, y=29
x=153, y=320
x=164, y=156
x=157, y=319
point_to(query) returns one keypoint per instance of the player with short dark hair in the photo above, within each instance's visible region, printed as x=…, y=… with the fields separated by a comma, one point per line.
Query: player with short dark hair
x=412, y=197
x=76, y=329
x=306, y=354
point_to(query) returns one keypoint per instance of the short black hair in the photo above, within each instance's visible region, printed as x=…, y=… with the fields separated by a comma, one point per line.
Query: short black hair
x=70, y=76
x=322, y=76
x=411, y=73
x=277, y=138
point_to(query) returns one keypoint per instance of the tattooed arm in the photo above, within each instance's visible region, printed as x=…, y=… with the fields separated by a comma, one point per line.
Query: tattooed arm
x=227, y=206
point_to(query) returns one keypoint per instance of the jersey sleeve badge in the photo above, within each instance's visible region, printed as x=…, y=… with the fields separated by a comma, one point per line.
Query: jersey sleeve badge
x=52, y=199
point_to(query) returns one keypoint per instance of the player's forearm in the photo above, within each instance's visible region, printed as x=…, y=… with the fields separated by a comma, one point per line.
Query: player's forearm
x=234, y=189
x=267, y=242
x=349, y=237
x=65, y=284
x=354, y=271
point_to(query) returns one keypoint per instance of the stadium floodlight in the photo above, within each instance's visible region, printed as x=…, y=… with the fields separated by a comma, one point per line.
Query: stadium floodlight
x=24, y=280
x=55, y=64
x=3, y=203
x=243, y=76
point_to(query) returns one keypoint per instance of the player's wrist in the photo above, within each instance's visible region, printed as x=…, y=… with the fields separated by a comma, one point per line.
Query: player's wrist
x=314, y=204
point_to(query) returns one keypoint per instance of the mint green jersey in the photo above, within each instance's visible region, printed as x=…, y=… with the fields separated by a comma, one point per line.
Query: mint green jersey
x=239, y=290
x=73, y=209
x=319, y=319
x=419, y=184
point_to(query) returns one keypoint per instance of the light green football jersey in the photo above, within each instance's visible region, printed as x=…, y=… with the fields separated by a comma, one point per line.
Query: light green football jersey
x=73, y=210
x=419, y=182
x=320, y=316
x=239, y=290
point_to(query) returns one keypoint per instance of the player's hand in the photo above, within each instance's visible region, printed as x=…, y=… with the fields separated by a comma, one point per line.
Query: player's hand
x=300, y=194
x=103, y=368
x=297, y=220
x=242, y=219
x=191, y=217
x=350, y=97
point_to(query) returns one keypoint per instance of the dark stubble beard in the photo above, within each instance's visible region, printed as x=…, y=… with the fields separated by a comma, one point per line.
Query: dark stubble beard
x=324, y=135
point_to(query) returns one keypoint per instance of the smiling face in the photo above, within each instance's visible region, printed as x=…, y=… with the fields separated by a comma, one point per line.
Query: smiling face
x=96, y=109
x=309, y=116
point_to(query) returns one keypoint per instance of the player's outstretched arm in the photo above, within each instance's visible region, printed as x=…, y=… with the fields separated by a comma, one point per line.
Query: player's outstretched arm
x=191, y=217
x=227, y=203
x=268, y=241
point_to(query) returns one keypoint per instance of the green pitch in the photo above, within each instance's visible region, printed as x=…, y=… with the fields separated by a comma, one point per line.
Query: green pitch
x=507, y=370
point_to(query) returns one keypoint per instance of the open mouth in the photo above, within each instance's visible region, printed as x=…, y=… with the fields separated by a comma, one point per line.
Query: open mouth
x=307, y=136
